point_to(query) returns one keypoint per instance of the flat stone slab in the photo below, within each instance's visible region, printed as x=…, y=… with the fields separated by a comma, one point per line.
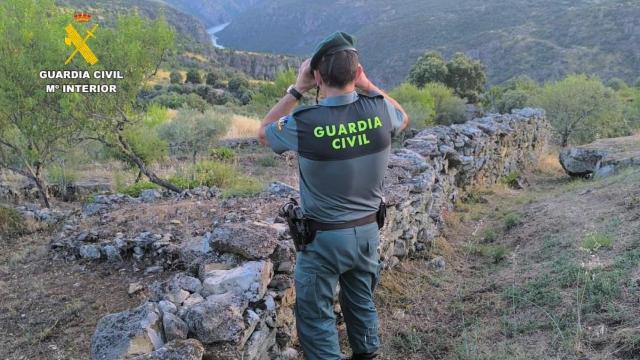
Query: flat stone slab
x=251, y=241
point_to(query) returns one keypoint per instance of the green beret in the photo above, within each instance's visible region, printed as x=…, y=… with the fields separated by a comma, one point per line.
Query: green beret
x=335, y=42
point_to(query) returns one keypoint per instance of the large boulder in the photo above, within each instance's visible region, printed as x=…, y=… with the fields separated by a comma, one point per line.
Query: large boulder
x=253, y=242
x=581, y=162
x=128, y=333
x=189, y=349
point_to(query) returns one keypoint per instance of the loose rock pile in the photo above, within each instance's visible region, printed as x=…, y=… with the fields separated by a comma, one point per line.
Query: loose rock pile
x=234, y=299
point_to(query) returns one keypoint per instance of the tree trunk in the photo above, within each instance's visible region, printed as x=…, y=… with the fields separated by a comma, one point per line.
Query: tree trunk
x=42, y=187
x=139, y=177
x=126, y=150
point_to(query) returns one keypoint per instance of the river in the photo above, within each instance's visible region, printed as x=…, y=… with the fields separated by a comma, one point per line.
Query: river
x=212, y=32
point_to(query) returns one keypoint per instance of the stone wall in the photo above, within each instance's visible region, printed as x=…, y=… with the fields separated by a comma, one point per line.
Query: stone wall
x=435, y=167
x=237, y=303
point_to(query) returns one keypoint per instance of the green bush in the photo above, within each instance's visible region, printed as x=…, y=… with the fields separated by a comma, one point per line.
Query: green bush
x=512, y=99
x=267, y=161
x=449, y=109
x=596, y=241
x=193, y=132
x=219, y=174
x=512, y=220
x=489, y=235
x=194, y=77
x=175, y=77
x=223, y=153
x=11, y=222
x=418, y=103
x=60, y=175
x=511, y=179
x=136, y=189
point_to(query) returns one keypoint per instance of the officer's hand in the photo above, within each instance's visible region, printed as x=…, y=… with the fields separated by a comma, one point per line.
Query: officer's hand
x=362, y=81
x=305, y=81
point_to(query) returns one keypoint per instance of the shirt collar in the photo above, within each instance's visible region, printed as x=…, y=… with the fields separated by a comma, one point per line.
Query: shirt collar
x=340, y=100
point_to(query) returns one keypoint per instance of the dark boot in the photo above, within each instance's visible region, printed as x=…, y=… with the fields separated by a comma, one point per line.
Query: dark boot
x=366, y=356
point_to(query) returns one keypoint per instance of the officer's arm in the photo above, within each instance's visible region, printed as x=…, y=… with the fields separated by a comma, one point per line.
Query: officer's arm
x=284, y=107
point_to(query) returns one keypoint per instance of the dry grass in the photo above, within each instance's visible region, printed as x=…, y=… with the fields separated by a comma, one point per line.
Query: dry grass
x=549, y=163
x=243, y=127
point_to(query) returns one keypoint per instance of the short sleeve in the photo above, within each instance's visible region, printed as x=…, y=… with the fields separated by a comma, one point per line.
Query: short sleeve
x=396, y=116
x=282, y=135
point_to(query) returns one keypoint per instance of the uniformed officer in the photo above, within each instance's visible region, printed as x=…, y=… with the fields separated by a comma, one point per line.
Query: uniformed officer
x=343, y=145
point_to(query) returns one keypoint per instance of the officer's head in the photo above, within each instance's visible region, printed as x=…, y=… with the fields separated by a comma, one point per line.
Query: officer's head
x=338, y=70
x=335, y=61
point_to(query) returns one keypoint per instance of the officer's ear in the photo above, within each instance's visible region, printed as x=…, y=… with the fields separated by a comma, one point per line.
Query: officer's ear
x=359, y=72
x=317, y=77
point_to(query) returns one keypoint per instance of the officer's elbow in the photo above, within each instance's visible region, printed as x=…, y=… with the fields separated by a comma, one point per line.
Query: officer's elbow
x=262, y=136
x=405, y=122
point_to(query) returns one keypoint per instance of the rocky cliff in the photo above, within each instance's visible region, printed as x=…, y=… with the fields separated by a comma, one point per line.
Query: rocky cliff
x=262, y=66
x=234, y=297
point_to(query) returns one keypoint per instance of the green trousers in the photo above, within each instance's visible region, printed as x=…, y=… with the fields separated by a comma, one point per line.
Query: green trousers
x=350, y=257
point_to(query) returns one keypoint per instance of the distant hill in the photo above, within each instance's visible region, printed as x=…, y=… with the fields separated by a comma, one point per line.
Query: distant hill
x=544, y=39
x=214, y=12
x=191, y=33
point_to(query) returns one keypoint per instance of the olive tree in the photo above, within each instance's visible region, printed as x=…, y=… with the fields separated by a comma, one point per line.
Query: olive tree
x=581, y=109
x=35, y=126
x=136, y=47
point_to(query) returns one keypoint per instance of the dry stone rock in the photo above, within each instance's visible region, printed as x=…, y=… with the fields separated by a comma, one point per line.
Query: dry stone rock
x=174, y=327
x=218, y=318
x=132, y=332
x=190, y=349
x=253, y=242
x=581, y=162
x=90, y=252
x=249, y=281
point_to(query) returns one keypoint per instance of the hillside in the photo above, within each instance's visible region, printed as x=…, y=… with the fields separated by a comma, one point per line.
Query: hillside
x=191, y=33
x=544, y=39
x=214, y=12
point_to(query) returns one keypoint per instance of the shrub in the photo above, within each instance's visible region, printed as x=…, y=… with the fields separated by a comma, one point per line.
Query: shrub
x=11, y=222
x=418, y=103
x=617, y=84
x=449, y=109
x=60, y=175
x=223, y=153
x=194, y=77
x=175, y=77
x=510, y=180
x=136, y=189
x=222, y=175
x=512, y=99
x=489, y=235
x=238, y=83
x=511, y=221
x=213, y=78
x=596, y=241
x=193, y=132
x=267, y=161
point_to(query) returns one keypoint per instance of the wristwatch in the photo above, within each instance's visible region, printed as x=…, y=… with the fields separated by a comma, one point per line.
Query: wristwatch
x=293, y=92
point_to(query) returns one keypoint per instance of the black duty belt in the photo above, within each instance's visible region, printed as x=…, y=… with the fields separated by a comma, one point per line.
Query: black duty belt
x=315, y=225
